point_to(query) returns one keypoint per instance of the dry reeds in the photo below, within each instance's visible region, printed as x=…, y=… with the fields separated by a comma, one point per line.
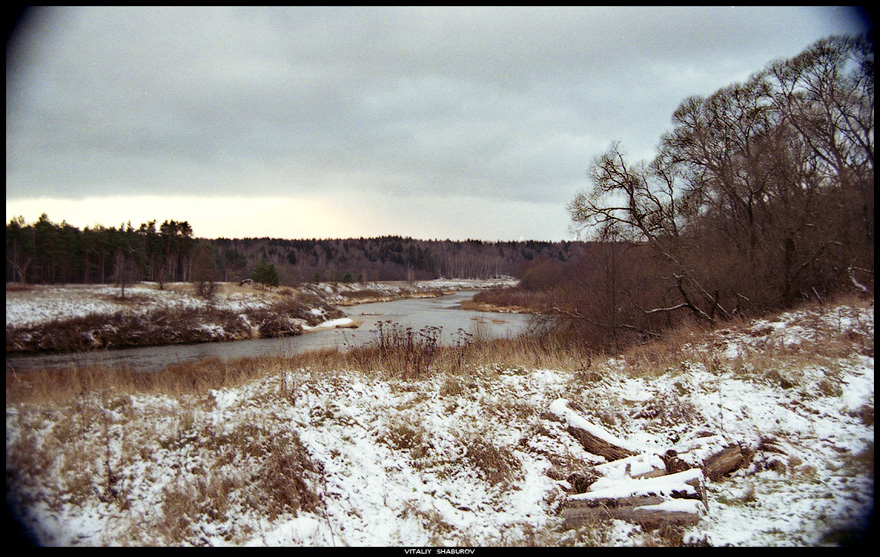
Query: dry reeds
x=50, y=388
x=514, y=299
x=407, y=354
x=397, y=353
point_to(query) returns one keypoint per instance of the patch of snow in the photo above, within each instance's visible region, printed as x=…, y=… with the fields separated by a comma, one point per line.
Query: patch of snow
x=223, y=398
x=330, y=324
x=628, y=487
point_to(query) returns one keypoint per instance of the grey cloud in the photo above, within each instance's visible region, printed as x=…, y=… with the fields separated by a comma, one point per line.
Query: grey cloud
x=510, y=102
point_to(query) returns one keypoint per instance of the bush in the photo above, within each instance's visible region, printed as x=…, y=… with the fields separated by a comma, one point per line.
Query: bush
x=206, y=289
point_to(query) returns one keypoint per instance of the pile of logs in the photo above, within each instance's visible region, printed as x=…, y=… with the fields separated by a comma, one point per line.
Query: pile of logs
x=643, y=487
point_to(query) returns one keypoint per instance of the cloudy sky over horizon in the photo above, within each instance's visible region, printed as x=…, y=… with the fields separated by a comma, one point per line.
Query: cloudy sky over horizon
x=347, y=122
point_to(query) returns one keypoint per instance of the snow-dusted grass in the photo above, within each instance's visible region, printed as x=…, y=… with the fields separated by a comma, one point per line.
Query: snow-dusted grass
x=315, y=451
x=83, y=317
x=35, y=305
x=73, y=318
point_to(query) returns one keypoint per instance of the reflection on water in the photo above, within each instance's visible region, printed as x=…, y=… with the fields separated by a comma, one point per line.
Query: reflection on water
x=444, y=312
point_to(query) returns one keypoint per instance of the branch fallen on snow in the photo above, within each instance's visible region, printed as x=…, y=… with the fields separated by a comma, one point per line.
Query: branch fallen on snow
x=856, y=283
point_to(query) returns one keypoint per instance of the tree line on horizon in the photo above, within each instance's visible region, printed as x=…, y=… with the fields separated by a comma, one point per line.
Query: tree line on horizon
x=52, y=253
x=46, y=252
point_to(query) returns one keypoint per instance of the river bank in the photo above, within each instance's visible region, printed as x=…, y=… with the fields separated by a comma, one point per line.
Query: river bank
x=74, y=318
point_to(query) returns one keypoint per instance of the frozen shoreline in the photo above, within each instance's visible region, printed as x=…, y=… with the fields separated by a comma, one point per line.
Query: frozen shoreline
x=67, y=318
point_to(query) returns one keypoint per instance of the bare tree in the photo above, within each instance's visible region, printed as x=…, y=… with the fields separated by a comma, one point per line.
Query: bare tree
x=641, y=204
x=760, y=195
x=205, y=273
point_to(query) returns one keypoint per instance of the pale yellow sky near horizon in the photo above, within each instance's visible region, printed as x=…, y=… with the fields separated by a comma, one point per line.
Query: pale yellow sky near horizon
x=210, y=217
x=292, y=218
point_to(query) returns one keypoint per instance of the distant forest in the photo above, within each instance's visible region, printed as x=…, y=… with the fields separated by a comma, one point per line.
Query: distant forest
x=53, y=253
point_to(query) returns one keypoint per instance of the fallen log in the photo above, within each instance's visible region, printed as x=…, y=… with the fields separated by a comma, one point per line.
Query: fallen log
x=594, y=439
x=673, y=499
x=728, y=460
x=646, y=488
x=716, y=456
x=679, y=512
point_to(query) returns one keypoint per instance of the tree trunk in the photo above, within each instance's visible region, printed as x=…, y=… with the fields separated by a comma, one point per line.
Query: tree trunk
x=672, y=499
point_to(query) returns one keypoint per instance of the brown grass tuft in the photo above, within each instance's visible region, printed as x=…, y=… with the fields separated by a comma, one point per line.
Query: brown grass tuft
x=498, y=464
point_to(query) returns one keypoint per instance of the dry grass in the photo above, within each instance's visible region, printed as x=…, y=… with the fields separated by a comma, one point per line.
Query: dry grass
x=405, y=433
x=513, y=299
x=18, y=287
x=767, y=355
x=54, y=388
x=220, y=471
x=408, y=354
x=497, y=464
x=400, y=354
x=360, y=296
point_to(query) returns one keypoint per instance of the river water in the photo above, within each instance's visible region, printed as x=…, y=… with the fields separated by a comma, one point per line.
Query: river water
x=417, y=313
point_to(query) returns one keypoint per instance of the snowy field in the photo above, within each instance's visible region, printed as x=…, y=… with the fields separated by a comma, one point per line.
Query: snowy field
x=464, y=460
x=345, y=294
x=39, y=304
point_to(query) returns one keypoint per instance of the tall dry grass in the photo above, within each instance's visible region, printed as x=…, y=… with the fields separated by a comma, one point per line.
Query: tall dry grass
x=834, y=329
x=402, y=353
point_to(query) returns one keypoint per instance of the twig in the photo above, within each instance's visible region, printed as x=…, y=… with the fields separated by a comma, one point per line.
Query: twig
x=856, y=283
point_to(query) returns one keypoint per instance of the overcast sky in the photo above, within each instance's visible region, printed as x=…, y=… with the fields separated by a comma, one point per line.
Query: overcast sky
x=347, y=122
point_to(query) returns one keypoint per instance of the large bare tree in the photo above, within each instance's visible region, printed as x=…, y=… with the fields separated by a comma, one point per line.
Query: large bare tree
x=760, y=195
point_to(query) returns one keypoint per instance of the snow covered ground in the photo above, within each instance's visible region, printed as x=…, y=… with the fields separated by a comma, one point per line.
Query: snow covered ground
x=348, y=293
x=69, y=318
x=469, y=459
x=39, y=304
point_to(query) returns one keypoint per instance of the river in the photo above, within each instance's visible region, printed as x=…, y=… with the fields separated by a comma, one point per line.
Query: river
x=444, y=312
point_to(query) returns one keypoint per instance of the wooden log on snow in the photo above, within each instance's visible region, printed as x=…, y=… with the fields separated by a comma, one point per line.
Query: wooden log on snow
x=716, y=456
x=720, y=464
x=650, y=512
x=594, y=439
x=596, y=445
x=673, y=499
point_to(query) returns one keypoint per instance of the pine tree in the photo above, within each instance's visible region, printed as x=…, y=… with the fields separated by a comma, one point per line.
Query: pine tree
x=265, y=274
